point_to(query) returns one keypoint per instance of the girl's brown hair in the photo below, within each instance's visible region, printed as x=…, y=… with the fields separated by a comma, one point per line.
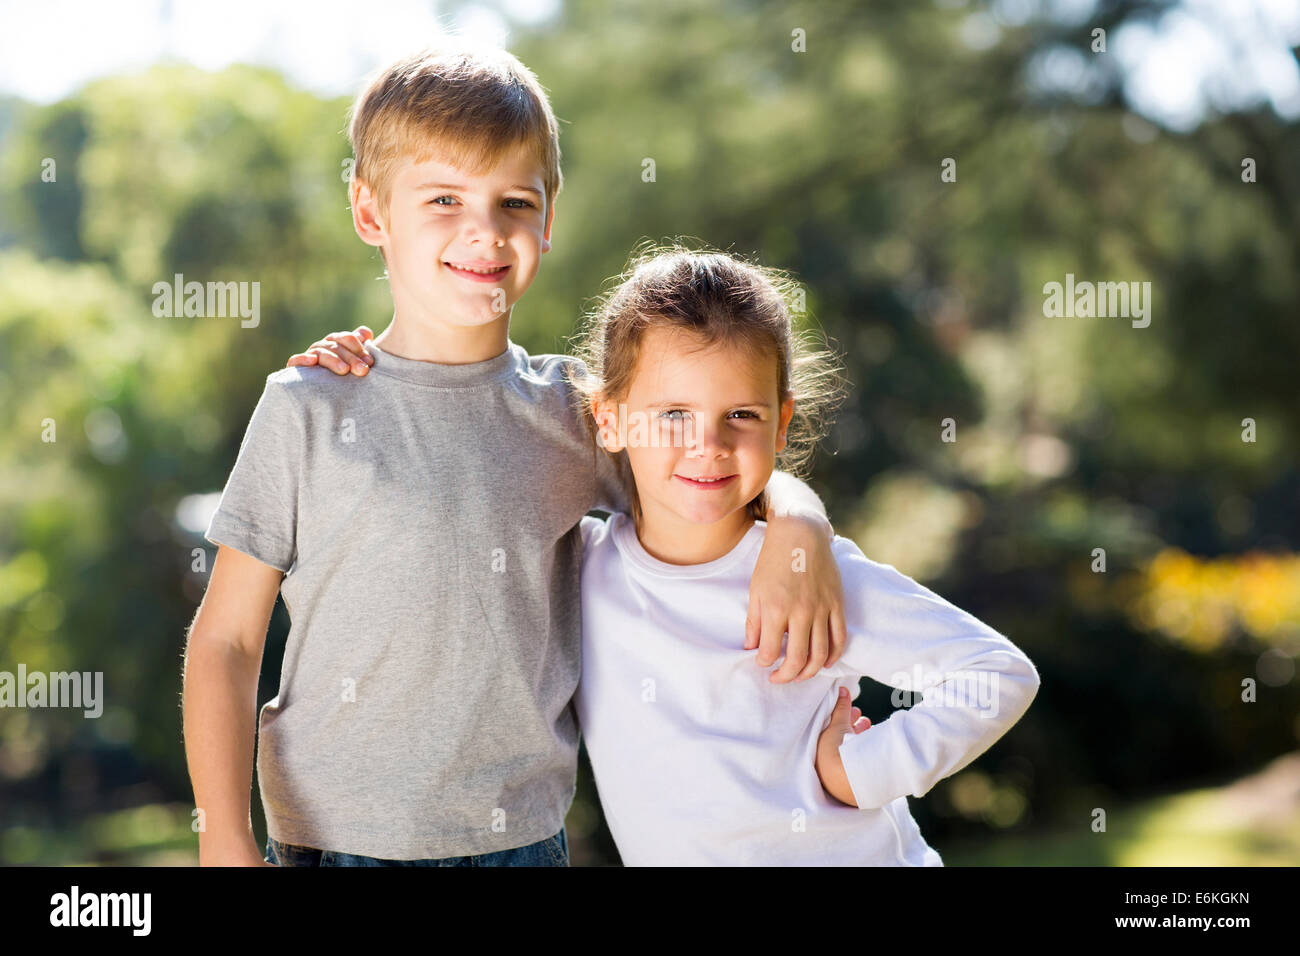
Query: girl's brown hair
x=719, y=298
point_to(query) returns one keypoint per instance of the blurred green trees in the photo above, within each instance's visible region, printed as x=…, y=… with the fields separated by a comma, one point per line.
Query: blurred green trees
x=1072, y=434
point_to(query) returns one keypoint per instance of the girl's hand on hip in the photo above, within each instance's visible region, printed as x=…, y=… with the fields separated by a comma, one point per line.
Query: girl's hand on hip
x=830, y=766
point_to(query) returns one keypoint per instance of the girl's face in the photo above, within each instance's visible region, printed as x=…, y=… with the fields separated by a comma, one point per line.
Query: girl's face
x=702, y=427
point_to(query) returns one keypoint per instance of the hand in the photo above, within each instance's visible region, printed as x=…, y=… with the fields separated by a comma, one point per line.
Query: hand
x=830, y=766
x=340, y=352
x=236, y=853
x=796, y=587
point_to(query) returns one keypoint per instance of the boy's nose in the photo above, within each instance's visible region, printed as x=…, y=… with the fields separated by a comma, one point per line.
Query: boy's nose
x=485, y=228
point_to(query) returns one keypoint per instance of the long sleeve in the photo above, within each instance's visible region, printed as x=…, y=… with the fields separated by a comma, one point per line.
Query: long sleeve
x=974, y=683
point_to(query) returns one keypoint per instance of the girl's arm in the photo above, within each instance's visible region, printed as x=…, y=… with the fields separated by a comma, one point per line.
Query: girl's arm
x=340, y=352
x=970, y=683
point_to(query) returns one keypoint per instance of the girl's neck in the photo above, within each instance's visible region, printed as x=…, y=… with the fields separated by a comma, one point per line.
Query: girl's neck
x=683, y=543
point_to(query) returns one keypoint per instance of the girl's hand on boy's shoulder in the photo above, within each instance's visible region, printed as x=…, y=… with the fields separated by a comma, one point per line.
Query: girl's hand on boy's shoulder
x=830, y=766
x=340, y=352
x=796, y=587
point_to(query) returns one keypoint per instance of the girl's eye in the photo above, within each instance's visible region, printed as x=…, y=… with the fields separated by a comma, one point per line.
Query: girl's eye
x=670, y=413
x=526, y=204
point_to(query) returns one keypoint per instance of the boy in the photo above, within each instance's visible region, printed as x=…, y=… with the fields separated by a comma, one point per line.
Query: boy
x=447, y=488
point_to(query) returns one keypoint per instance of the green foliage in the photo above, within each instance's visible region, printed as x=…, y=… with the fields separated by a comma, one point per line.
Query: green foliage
x=1072, y=433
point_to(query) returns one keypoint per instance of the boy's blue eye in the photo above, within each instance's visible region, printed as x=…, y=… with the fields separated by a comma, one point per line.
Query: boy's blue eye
x=525, y=204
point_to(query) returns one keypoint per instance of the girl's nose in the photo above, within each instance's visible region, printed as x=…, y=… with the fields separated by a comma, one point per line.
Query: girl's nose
x=705, y=441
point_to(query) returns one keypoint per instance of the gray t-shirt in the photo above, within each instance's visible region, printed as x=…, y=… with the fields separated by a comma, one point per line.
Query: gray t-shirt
x=427, y=520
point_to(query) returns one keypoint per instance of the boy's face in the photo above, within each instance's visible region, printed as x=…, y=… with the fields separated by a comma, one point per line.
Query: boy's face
x=724, y=420
x=461, y=248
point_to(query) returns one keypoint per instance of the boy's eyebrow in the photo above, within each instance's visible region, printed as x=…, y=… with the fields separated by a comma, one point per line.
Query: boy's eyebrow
x=460, y=186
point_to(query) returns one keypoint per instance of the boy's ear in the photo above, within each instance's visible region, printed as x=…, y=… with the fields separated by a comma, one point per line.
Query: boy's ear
x=367, y=218
x=546, y=236
x=787, y=412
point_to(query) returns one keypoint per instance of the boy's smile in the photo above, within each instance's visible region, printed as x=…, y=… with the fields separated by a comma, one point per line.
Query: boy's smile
x=479, y=270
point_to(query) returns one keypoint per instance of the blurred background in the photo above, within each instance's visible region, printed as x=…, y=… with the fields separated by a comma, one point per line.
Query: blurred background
x=143, y=139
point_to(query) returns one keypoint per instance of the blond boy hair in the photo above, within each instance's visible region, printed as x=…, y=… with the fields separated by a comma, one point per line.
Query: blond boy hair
x=464, y=105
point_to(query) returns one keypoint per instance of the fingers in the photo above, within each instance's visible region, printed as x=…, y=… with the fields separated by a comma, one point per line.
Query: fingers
x=326, y=358
x=753, y=622
x=349, y=348
x=842, y=711
x=363, y=332
x=854, y=721
x=771, y=632
x=839, y=635
x=817, y=650
x=841, y=720
x=302, y=358
x=797, y=648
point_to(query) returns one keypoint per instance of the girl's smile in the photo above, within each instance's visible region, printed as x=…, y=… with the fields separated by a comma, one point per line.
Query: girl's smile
x=707, y=483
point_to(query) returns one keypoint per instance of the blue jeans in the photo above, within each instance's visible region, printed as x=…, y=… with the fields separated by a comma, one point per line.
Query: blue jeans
x=552, y=851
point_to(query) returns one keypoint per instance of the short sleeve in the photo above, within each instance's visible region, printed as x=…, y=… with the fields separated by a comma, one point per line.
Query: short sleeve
x=613, y=476
x=613, y=481
x=258, y=512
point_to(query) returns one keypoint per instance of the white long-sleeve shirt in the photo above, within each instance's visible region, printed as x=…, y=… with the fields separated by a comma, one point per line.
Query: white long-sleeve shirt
x=699, y=760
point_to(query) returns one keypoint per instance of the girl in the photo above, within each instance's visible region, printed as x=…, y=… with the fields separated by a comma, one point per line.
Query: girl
x=695, y=374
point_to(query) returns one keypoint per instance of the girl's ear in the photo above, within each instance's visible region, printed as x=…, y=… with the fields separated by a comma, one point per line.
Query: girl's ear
x=606, y=417
x=787, y=412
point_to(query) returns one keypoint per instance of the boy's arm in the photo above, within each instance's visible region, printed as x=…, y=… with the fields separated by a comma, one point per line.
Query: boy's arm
x=796, y=585
x=219, y=703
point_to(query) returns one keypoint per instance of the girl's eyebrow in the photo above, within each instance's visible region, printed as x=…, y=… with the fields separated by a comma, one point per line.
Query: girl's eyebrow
x=732, y=405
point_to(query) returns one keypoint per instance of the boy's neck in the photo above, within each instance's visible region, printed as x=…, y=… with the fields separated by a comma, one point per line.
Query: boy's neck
x=428, y=340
